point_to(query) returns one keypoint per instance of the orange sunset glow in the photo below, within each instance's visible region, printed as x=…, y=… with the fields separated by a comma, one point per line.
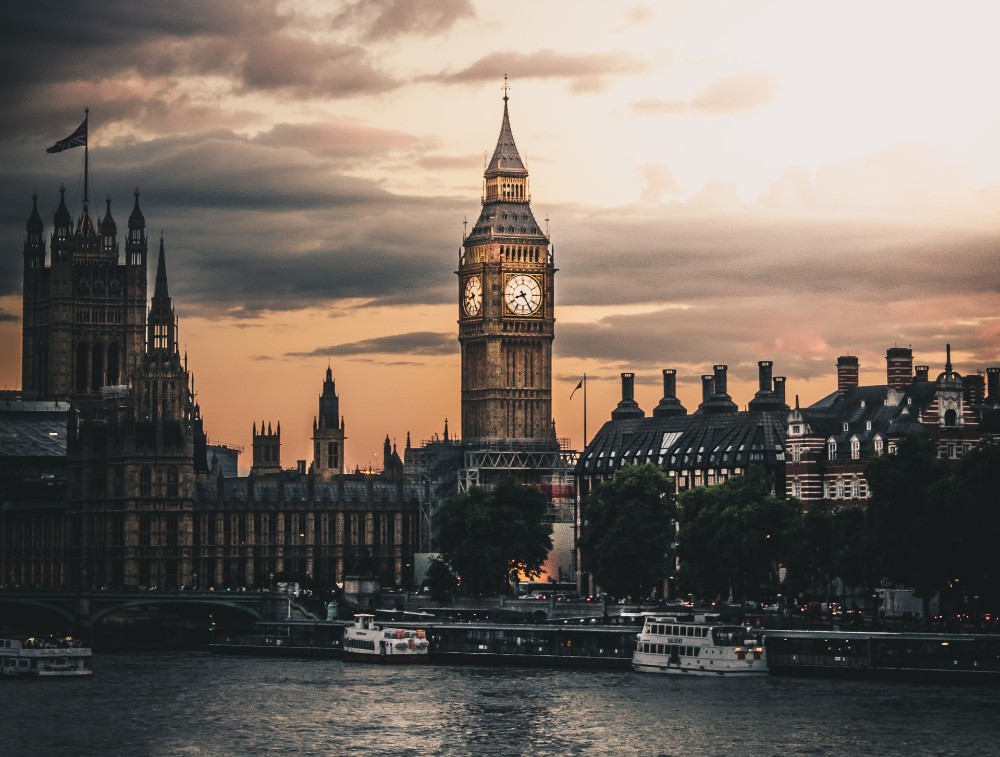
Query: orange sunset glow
x=722, y=183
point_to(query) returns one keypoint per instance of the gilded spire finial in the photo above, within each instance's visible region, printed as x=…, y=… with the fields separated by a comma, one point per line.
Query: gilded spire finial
x=506, y=88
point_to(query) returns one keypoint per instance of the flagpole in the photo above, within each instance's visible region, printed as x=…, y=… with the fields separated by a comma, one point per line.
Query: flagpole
x=584, y=411
x=86, y=159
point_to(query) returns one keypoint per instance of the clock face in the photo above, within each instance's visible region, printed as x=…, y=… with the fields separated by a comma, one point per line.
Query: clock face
x=522, y=294
x=472, y=300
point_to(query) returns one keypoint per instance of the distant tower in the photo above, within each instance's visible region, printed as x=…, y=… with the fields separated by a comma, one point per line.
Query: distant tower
x=266, y=450
x=328, y=432
x=83, y=314
x=505, y=310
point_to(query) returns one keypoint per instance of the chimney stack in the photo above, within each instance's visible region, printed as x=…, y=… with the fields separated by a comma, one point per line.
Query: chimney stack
x=779, y=389
x=899, y=367
x=669, y=405
x=847, y=373
x=721, y=382
x=993, y=384
x=764, y=368
x=974, y=388
x=707, y=387
x=627, y=407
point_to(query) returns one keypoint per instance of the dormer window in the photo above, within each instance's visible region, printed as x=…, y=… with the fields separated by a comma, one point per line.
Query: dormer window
x=878, y=445
x=855, y=449
x=846, y=426
x=868, y=426
x=831, y=449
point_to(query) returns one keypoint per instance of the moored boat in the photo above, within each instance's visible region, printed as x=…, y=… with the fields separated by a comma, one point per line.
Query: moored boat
x=368, y=641
x=33, y=657
x=697, y=645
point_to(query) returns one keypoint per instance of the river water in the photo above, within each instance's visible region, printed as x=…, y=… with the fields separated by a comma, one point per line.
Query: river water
x=199, y=704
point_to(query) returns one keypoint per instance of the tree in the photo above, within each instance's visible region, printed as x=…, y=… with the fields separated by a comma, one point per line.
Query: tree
x=440, y=581
x=733, y=536
x=628, y=531
x=485, y=536
x=911, y=533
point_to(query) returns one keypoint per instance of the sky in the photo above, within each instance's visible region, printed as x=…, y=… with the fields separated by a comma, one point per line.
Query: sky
x=723, y=182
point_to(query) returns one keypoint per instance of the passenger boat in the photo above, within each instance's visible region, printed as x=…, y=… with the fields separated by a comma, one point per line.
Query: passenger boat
x=697, y=645
x=368, y=641
x=44, y=657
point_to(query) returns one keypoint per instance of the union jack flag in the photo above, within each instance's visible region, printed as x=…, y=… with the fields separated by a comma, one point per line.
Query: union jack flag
x=77, y=139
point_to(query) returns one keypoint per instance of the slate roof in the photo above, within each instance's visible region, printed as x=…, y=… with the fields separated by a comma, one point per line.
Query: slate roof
x=889, y=412
x=689, y=442
x=33, y=428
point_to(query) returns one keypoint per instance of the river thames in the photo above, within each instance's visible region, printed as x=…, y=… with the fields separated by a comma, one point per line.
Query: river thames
x=199, y=704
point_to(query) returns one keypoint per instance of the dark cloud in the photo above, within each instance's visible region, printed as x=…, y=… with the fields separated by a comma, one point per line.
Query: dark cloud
x=133, y=62
x=413, y=343
x=306, y=68
x=584, y=70
x=341, y=139
x=728, y=95
x=386, y=19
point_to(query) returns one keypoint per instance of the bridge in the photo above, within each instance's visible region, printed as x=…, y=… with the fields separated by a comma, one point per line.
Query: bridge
x=80, y=611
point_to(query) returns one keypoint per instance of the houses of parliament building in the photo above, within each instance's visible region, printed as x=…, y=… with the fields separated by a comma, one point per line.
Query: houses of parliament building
x=106, y=476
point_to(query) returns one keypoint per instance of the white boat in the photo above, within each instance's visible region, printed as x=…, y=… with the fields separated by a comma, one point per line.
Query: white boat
x=43, y=657
x=698, y=645
x=368, y=641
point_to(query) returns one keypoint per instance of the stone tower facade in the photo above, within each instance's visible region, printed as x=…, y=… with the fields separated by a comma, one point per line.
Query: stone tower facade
x=506, y=318
x=328, y=432
x=132, y=467
x=266, y=449
x=84, y=313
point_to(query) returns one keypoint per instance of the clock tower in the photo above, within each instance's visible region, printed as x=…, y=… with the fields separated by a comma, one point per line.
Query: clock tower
x=506, y=319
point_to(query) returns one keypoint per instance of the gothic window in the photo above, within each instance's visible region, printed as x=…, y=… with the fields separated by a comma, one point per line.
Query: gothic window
x=172, y=482
x=97, y=367
x=796, y=453
x=831, y=449
x=114, y=366
x=950, y=417
x=879, y=446
x=831, y=489
x=855, y=449
x=145, y=482
x=81, y=367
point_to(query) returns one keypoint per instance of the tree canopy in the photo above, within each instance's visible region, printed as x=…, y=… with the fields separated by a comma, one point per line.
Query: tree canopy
x=486, y=536
x=733, y=536
x=628, y=531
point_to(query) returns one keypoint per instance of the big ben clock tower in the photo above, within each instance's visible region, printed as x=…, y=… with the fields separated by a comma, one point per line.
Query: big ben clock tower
x=506, y=320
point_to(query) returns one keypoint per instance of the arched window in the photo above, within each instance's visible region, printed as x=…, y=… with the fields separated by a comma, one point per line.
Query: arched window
x=950, y=417
x=172, y=481
x=831, y=449
x=855, y=449
x=97, y=367
x=81, y=366
x=145, y=482
x=114, y=365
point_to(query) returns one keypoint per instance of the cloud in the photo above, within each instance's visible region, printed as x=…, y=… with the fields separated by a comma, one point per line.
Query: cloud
x=386, y=19
x=584, y=71
x=413, y=343
x=306, y=68
x=729, y=95
x=341, y=139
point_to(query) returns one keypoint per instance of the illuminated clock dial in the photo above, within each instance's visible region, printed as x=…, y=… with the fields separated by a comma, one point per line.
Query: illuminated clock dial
x=522, y=294
x=472, y=299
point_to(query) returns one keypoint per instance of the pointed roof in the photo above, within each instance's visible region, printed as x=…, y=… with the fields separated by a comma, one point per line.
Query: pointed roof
x=505, y=157
x=160, y=292
x=108, y=225
x=62, y=216
x=34, y=220
x=136, y=219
